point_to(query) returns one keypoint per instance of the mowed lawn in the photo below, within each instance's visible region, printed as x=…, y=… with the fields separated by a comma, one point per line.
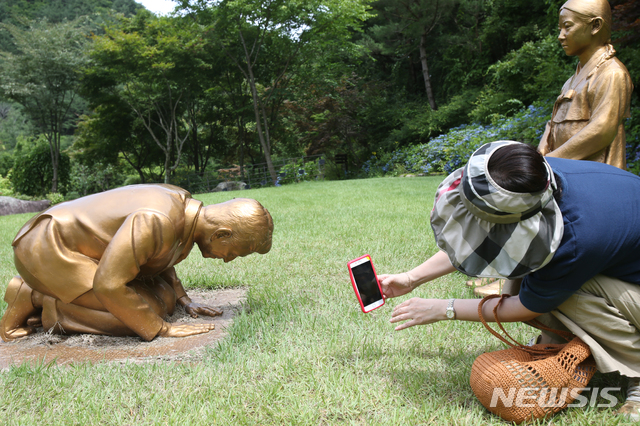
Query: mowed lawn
x=301, y=352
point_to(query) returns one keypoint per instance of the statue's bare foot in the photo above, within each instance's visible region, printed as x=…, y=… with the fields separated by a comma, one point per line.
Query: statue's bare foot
x=14, y=321
x=184, y=330
x=16, y=333
x=35, y=321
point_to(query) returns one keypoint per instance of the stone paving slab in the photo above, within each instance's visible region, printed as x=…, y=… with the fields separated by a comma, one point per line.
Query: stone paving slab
x=62, y=350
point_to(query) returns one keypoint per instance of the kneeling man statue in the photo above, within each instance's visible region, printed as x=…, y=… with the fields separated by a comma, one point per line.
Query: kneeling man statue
x=104, y=264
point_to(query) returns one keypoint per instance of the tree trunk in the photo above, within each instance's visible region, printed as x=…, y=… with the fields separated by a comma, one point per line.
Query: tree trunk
x=54, y=181
x=241, y=141
x=167, y=159
x=196, y=147
x=425, y=71
x=137, y=166
x=263, y=143
x=54, y=148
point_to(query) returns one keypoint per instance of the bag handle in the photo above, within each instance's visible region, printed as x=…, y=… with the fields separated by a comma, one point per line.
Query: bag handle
x=535, y=323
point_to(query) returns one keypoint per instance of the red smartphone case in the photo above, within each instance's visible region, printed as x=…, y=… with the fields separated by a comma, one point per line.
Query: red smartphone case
x=355, y=286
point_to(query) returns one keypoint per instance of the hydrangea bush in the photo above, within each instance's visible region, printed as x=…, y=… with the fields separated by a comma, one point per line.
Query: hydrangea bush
x=451, y=150
x=299, y=171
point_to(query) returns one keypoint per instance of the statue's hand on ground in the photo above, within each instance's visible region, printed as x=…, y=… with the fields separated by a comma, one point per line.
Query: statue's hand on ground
x=194, y=309
x=183, y=330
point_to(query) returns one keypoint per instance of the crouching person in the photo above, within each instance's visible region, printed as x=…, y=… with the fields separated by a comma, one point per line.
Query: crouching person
x=567, y=230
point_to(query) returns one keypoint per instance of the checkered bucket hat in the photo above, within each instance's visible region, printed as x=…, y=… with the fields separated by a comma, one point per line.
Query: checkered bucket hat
x=488, y=231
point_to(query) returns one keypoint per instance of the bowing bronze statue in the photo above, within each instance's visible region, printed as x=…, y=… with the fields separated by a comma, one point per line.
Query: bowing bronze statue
x=587, y=119
x=104, y=264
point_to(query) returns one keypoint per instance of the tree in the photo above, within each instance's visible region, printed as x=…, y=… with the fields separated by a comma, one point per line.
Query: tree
x=113, y=132
x=408, y=21
x=333, y=118
x=265, y=38
x=626, y=21
x=13, y=124
x=56, y=11
x=43, y=77
x=150, y=64
x=32, y=169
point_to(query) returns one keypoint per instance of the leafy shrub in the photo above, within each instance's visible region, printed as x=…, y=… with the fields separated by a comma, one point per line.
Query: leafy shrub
x=451, y=150
x=6, y=187
x=132, y=180
x=99, y=177
x=72, y=195
x=298, y=171
x=32, y=170
x=420, y=123
x=55, y=198
x=6, y=163
x=537, y=70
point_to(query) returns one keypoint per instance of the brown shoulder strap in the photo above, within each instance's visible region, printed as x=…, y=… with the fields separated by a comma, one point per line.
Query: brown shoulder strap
x=513, y=342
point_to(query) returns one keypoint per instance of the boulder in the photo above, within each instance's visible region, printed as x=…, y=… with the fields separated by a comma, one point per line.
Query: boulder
x=10, y=205
x=230, y=186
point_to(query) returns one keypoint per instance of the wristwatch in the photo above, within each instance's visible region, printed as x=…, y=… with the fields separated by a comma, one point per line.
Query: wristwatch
x=451, y=313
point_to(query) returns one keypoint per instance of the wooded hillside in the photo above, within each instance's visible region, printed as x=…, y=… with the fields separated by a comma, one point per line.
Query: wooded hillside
x=101, y=93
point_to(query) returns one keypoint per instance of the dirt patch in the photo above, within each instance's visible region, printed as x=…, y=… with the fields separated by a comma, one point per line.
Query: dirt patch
x=47, y=348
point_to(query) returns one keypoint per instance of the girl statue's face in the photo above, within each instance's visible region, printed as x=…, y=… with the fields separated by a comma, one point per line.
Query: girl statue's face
x=575, y=34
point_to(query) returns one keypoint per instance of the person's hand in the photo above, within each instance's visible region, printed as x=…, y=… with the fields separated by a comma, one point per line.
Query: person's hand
x=394, y=285
x=183, y=330
x=417, y=311
x=194, y=309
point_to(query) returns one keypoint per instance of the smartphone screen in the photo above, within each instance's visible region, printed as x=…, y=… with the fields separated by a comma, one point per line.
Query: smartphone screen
x=365, y=282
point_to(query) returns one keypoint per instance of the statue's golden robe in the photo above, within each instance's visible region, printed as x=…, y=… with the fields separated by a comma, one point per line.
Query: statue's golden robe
x=588, y=116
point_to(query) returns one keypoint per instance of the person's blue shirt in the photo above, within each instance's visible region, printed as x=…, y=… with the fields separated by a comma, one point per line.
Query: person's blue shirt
x=600, y=206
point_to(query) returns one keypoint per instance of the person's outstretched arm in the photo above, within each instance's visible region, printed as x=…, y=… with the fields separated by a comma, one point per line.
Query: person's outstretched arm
x=417, y=311
x=394, y=285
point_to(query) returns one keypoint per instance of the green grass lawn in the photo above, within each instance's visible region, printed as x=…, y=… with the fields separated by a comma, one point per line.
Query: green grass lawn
x=302, y=352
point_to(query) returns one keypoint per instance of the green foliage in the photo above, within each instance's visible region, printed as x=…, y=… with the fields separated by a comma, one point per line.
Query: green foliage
x=536, y=71
x=337, y=115
x=43, y=77
x=13, y=124
x=299, y=171
x=420, y=123
x=6, y=163
x=349, y=82
x=409, y=32
x=6, y=187
x=132, y=180
x=632, y=126
x=451, y=150
x=510, y=23
x=85, y=180
x=32, y=171
x=55, y=198
x=268, y=41
x=60, y=10
x=148, y=72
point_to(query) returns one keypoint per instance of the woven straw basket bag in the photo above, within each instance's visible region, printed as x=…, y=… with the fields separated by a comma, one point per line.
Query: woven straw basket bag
x=530, y=382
